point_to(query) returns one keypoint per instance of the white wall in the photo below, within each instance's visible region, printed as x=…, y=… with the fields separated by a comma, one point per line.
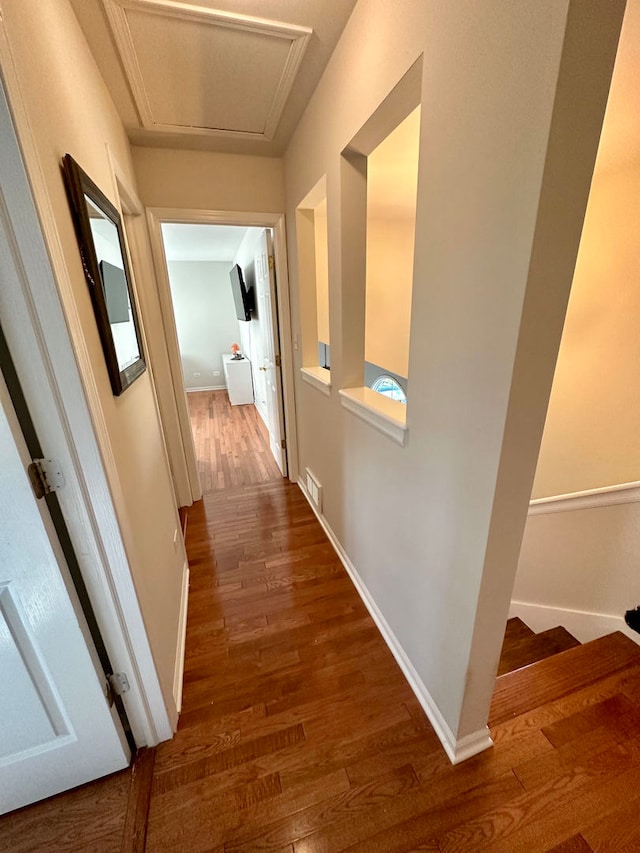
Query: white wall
x=507, y=148
x=390, y=245
x=205, y=319
x=579, y=568
x=69, y=110
x=203, y=180
x=584, y=561
x=591, y=433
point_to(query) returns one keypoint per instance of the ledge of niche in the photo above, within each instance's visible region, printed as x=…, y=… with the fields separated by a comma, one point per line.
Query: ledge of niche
x=387, y=416
x=318, y=377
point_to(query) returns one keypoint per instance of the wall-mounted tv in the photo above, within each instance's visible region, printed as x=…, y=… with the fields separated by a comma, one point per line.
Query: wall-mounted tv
x=242, y=296
x=116, y=293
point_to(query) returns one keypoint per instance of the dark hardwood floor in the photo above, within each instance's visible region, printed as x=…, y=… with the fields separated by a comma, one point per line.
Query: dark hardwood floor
x=299, y=734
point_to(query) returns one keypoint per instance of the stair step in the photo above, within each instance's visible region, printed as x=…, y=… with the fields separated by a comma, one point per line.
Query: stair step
x=517, y=630
x=530, y=649
x=528, y=688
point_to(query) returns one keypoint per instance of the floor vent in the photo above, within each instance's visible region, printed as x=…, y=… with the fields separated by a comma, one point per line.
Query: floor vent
x=314, y=489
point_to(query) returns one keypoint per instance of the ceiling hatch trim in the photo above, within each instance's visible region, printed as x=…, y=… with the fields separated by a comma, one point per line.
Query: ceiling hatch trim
x=297, y=36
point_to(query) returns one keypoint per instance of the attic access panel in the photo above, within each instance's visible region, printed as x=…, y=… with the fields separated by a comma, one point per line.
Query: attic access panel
x=197, y=70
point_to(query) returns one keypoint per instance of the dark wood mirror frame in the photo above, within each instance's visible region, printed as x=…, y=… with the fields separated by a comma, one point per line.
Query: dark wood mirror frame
x=79, y=188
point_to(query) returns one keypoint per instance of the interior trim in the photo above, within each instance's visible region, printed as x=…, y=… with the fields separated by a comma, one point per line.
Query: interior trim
x=182, y=450
x=318, y=377
x=457, y=749
x=623, y=493
x=386, y=415
x=178, y=674
x=117, y=17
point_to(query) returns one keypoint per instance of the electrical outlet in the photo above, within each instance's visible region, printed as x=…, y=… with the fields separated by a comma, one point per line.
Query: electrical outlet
x=196, y=376
x=216, y=373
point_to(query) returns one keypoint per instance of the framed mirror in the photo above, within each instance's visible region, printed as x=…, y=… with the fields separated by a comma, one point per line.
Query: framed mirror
x=102, y=249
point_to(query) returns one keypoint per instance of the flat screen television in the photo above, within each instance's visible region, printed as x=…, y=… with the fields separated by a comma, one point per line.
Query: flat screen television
x=242, y=297
x=116, y=292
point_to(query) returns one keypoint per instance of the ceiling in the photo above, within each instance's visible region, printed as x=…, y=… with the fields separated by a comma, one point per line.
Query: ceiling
x=236, y=75
x=200, y=242
x=217, y=75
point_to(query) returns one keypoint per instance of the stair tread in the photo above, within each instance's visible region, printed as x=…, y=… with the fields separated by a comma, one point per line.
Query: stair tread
x=549, y=679
x=516, y=630
x=522, y=649
x=561, y=637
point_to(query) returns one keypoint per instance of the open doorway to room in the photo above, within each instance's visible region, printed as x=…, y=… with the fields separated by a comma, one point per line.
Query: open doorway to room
x=222, y=293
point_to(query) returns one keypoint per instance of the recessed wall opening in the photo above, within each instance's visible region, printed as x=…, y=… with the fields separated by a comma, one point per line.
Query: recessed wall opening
x=392, y=183
x=379, y=185
x=313, y=259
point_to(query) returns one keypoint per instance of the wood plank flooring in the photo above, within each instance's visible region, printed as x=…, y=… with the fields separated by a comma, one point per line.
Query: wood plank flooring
x=299, y=734
x=232, y=447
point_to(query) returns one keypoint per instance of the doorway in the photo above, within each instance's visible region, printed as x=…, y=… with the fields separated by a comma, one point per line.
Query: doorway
x=223, y=307
x=58, y=730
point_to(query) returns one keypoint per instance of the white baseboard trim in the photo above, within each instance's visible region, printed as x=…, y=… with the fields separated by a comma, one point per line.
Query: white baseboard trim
x=178, y=672
x=584, y=625
x=457, y=750
x=207, y=388
x=622, y=493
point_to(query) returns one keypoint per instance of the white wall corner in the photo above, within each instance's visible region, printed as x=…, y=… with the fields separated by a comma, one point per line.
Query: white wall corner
x=457, y=749
x=178, y=672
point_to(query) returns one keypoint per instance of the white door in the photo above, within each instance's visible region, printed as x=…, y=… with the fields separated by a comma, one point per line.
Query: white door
x=270, y=366
x=56, y=728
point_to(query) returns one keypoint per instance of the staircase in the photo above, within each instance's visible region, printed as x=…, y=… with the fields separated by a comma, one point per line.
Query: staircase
x=567, y=717
x=538, y=669
x=522, y=647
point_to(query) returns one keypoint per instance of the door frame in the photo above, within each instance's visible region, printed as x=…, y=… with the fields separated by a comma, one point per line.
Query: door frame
x=65, y=406
x=182, y=452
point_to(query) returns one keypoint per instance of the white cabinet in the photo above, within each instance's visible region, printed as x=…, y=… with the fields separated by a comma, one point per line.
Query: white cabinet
x=237, y=373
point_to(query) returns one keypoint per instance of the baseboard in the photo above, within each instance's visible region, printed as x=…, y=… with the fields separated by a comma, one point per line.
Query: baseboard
x=207, y=388
x=584, y=626
x=457, y=749
x=263, y=415
x=178, y=672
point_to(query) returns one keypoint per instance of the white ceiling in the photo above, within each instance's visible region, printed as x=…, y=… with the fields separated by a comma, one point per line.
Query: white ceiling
x=196, y=242
x=219, y=75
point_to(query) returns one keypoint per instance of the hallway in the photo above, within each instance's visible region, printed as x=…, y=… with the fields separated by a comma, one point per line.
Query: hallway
x=299, y=733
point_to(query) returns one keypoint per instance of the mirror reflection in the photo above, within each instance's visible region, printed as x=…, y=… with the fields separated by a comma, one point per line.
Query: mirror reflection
x=101, y=242
x=114, y=285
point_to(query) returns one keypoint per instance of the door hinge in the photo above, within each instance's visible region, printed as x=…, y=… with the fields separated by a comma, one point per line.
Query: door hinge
x=283, y=444
x=45, y=476
x=271, y=262
x=117, y=684
x=278, y=361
